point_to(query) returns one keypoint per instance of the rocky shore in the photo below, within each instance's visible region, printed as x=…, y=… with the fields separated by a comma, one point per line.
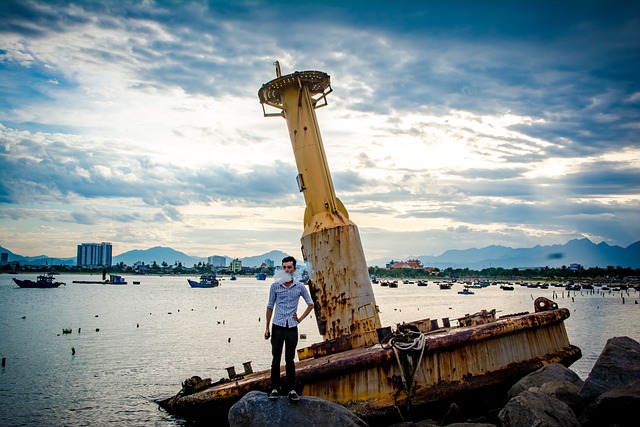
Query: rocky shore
x=551, y=396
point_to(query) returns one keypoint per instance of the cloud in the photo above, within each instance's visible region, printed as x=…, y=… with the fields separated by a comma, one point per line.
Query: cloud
x=489, y=122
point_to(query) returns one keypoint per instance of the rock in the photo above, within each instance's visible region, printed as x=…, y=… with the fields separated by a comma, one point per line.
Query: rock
x=256, y=409
x=564, y=391
x=471, y=425
x=617, y=366
x=618, y=406
x=532, y=408
x=553, y=372
x=453, y=415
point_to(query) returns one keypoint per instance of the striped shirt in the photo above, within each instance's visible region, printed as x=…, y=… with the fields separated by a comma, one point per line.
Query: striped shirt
x=285, y=301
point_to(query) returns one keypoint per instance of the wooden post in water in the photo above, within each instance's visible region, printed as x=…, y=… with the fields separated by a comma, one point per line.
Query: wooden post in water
x=339, y=282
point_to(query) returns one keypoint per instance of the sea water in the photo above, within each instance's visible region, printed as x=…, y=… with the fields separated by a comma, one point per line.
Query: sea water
x=132, y=344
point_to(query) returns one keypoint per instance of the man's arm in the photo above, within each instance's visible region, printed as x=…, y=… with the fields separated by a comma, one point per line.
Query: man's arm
x=267, y=334
x=306, y=312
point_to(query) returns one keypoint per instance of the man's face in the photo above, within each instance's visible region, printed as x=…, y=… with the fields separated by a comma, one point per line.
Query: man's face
x=288, y=267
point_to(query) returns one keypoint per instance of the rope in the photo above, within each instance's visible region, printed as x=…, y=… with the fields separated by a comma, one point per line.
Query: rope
x=406, y=339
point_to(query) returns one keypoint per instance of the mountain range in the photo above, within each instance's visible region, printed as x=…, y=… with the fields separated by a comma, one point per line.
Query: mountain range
x=579, y=251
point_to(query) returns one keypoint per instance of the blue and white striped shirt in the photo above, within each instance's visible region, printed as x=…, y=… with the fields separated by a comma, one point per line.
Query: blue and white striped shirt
x=285, y=301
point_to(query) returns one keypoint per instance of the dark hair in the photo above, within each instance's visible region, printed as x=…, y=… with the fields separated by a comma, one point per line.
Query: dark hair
x=289, y=259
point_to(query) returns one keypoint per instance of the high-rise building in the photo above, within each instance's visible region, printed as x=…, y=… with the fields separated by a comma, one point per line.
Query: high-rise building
x=269, y=262
x=217, y=261
x=94, y=255
x=236, y=265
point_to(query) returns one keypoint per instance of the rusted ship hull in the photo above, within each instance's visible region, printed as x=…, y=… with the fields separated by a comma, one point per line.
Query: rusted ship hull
x=376, y=382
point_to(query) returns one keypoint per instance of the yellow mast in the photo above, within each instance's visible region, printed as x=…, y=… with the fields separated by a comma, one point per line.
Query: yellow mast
x=339, y=279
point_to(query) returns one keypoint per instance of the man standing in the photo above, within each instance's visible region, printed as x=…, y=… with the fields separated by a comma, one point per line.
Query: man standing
x=284, y=295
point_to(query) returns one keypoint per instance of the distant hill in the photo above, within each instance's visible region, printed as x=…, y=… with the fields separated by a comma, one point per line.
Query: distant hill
x=161, y=254
x=38, y=259
x=579, y=251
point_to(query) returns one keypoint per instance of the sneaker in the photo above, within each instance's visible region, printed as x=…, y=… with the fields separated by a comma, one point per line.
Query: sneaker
x=293, y=396
x=274, y=394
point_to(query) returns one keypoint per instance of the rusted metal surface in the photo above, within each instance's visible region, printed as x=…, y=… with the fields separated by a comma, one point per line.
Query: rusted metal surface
x=368, y=380
x=339, y=287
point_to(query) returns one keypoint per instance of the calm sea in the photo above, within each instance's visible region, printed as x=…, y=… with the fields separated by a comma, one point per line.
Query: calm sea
x=137, y=343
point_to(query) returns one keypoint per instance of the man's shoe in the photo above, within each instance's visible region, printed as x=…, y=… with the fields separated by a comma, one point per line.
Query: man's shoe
x=293, y=396
x=274, y=394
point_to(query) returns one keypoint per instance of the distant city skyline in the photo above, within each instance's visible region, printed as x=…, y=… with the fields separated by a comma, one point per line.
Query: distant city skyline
x=450, y=126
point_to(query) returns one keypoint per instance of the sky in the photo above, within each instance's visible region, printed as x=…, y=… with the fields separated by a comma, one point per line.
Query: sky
x=451, y=125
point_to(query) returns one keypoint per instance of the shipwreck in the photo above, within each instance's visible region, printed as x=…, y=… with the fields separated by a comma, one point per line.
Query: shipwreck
x=379, y=373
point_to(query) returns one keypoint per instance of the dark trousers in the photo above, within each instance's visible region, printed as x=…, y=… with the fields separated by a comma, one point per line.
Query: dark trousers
x=287, y=338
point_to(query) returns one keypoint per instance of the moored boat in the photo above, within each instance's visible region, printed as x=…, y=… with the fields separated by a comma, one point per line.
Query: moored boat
x=208, y=280
x=43, y=281
x=261, y=276
x=466, y=291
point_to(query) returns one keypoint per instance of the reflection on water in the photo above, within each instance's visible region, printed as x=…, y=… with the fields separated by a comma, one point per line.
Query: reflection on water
x=137, y=343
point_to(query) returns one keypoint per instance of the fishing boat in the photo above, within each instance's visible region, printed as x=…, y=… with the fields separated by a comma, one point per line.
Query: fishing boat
x=43, y=281
x=506, y=287
x=445, y=285
x=466, y=291
x=233, y=277
x=208, y=280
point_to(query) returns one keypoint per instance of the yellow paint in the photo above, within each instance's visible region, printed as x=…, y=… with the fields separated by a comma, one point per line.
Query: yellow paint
x=340, y=283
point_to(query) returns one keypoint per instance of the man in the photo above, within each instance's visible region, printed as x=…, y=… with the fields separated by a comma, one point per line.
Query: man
x=284, y=296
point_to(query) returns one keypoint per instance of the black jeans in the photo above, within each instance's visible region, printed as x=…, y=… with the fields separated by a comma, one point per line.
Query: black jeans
x=288, y=338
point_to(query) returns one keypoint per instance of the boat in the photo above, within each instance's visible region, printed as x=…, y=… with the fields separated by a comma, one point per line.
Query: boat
x=393, y=284
x=423, y=283
x=506, y=287
x=261, y=276
x=452, y=362
x=43, y=281
x=382, y=375
x=466, y=291
x=445, y=285
x=233, y=277
x=208, y=280
x=115, y=280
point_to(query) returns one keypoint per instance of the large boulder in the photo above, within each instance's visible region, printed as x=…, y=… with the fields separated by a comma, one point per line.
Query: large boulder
x=564, y=391
x=617, y=366
x=551, y=373
x=618, y=406
x=256, y=409
x=532, y=408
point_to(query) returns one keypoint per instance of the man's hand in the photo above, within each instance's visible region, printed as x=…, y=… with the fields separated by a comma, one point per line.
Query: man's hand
x=295, y=317
x=267, y=334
